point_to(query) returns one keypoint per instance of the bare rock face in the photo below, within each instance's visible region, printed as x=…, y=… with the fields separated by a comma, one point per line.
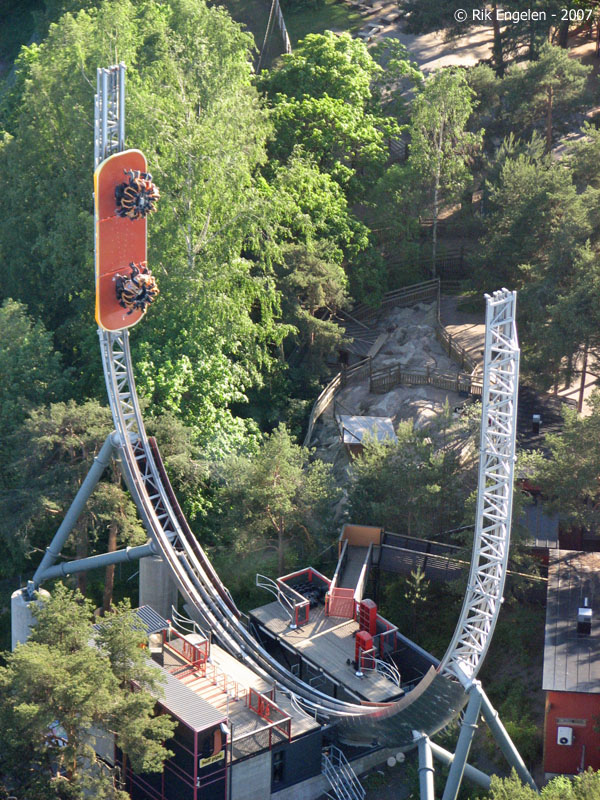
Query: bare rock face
x=412, y=345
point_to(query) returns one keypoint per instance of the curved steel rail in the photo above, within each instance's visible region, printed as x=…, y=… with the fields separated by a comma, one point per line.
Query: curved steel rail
x=483, y=597
x=199, y=583
x=439, y=697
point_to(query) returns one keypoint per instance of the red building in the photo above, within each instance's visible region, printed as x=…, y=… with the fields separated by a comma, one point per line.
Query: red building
x=572, y=663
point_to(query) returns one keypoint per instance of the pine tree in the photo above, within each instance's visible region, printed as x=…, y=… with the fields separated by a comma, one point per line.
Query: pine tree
x=65, y=683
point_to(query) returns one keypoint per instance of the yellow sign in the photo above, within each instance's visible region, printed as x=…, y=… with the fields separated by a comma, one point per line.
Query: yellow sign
x=205, y=762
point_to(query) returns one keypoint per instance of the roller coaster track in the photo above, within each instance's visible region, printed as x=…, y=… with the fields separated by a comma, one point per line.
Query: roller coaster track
x=441, y=694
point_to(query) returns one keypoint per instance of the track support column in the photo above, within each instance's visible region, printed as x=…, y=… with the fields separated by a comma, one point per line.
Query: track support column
x=22, y=617
x=472, y=774
x=465, y=737
x=426, y=768
x=157, y=587
x=85, y=490
x=505, y=743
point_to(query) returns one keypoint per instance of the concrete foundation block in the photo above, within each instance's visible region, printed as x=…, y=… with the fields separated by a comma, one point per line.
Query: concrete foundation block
x=157, y=588
x=22, y=619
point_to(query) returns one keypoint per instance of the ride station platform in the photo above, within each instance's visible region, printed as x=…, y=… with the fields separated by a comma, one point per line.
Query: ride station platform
x=324, y=651
x=329, y=636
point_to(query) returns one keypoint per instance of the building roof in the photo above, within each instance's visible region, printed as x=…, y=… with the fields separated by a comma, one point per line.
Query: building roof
x=354, y=429
x=186, y=705
x=572, y=661
x=542, y=527
x=151, y=621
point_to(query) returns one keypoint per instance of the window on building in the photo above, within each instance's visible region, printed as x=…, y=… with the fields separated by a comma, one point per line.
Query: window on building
x=278, y=766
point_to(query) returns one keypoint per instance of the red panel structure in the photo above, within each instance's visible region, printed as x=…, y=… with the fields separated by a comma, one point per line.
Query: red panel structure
x=367, y=616
x=362, y=643
x=576, y=712
x=119, y=240
x=340, y=603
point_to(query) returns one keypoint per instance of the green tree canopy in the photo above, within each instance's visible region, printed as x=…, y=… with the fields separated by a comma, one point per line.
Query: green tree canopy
x=308, y=207
x=585, y=786
x=314, y=291
x=536, y=217
x=31, y=369
x=192, y=108
x=568, y=476
x=441, y=148
x=276, y=499
x=325, y=65
x=52, y=452
x=550, y=88
x=322, y=99
x=58, y=687
x=415, y=486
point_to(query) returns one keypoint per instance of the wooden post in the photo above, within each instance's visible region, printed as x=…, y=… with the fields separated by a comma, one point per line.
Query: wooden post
x=370, y=373
x=450, y=344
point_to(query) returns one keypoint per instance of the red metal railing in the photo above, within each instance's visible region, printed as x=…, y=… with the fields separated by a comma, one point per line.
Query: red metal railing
x=196, y=655
x=340, y=603
x=271, y=713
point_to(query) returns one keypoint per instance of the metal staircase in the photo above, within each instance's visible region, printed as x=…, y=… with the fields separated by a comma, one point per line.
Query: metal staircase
x=342, y=778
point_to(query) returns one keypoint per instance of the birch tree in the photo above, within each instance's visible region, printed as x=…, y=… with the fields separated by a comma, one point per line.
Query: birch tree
x=441, y=148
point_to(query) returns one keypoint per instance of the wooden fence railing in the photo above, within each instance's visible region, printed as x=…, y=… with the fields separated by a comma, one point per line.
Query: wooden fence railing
x=320, y=405
x=383, y=381
x=428, y=290
x=379, y=380
x=456, y=352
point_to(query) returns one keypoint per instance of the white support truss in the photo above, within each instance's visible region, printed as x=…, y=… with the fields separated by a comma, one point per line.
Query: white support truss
x=494, y=499
x=109, y=122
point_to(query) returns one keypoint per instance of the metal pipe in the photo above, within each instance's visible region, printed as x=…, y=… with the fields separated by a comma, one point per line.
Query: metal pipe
x=465, y=737
x=97, y=101
x=102, y=560
x=476, y=776
x=504, y=741
x=426, y=769
x=104, y=113
x=121, y=106
x=85, y=490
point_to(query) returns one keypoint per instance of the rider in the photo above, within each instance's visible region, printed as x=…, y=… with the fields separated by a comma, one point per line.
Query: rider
x=136, y=290
x=137, y=197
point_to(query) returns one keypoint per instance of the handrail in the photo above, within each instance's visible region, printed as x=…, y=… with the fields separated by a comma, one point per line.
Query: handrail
x=343, y=557
x=388, y=671
x=282, y=592
x=341, y=776
x=389, y=377
x=185, y=624
x=364, y=574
